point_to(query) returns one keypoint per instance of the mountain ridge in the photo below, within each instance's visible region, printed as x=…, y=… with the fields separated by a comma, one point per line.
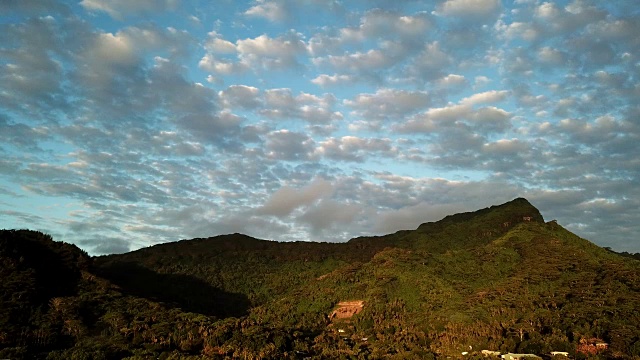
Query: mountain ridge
x=499, y=278
x=516, y=209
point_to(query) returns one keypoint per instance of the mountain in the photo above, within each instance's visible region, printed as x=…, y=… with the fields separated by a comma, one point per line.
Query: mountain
x=499, y=279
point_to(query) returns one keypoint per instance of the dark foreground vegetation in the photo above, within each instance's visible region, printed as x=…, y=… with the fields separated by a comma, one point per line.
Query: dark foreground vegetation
x=499, y=279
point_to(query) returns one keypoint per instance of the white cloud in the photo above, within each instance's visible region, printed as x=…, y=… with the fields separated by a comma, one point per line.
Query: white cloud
x=221, y=66
x=525, y=31
x=505, y=147
x=270, y=10
x=216, y=44
x=482, y=120
x=492, y=96
x=325, y=80
x=257, y=54
x=452, y=80
x=470, y=9
x=547, y=10
x=264, y=52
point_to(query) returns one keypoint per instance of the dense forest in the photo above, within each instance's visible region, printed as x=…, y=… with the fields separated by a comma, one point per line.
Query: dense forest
x=499, y=279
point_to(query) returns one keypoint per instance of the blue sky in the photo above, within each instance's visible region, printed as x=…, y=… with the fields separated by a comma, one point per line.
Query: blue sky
x=127, y=123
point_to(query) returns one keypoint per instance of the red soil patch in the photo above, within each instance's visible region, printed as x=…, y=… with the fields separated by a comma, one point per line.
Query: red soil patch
x=347, y=309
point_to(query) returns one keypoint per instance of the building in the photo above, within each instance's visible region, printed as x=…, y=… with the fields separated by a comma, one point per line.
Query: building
x=510, y=356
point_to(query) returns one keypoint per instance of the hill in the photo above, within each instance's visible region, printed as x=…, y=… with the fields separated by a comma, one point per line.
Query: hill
x=499, y=278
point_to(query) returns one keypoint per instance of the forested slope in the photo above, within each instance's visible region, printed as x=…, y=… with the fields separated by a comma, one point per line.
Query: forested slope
x=499, y=278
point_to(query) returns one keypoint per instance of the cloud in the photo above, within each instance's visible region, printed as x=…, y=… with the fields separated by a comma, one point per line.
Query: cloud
x=505, y=147
x=105, y=246
x=242, y=96
x=31, y=70
x=483, y=10
x=570, y=18
x=430, y=64
x=482, y=120
x=34, y=7
x=481, y=101
x=216, y=44
x=23, y=216
x=287, y=199
x=551, y=56
x=351, y=148
x=257, y=54
x=21, y=135
x=327, y=214
x=282, y=104
x=325, y=80
x=388, y=104
x=213, y=64
x=282, y=50
x=359, y=62
x=410, y=217
x=492, y=96
x=452, y=81
x=279, y=11
x=288, y=145
x=119, y=9
x=272, y=11
x=388, y=39
x=386, y=24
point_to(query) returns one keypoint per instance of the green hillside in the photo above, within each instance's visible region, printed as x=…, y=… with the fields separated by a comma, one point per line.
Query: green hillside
x=498, y=279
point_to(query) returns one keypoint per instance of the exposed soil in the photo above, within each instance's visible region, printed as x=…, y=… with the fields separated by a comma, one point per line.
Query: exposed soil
x=347, y=309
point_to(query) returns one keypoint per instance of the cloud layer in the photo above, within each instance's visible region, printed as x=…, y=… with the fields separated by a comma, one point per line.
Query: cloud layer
x=128, y=123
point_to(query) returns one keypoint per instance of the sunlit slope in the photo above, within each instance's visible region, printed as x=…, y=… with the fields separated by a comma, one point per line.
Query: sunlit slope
x=536, y=288
x=498, y=278
x=241, y=264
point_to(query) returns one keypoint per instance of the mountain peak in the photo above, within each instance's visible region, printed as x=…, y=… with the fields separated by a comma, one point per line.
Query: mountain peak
x=514, y=211
x=475, y=228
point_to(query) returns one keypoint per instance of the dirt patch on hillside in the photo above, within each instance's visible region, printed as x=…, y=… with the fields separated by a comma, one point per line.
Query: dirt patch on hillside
x=347, y=309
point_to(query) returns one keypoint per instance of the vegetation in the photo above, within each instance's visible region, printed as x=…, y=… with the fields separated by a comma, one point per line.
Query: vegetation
x=499, y=278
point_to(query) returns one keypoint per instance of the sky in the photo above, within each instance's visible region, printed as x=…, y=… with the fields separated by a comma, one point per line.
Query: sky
x=128, y=123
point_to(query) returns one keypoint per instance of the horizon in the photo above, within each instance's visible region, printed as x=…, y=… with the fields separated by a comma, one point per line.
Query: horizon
x=128, y=124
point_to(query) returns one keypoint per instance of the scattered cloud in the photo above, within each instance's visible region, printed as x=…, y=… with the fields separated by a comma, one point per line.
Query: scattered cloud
x=119, y=9
x=126, y=123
